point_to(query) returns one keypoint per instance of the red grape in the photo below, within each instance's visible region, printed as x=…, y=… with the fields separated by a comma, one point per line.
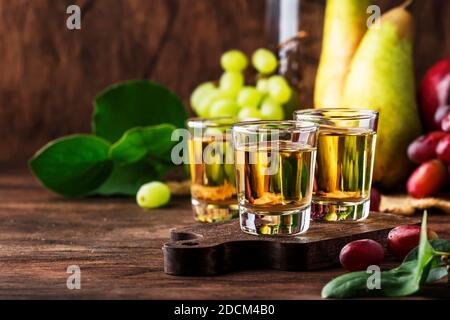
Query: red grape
x=445, y=122
x=427, y=179
x=402, y=239
x=360, y=254
x=440, y=114
x=424, y=147
x=375, y=200
x=443, y=149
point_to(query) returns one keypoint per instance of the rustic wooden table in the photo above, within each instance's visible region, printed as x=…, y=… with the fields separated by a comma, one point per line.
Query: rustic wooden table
x=117, y=245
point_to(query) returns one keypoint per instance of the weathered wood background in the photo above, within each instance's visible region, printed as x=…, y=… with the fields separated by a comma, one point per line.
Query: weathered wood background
x=49, y=75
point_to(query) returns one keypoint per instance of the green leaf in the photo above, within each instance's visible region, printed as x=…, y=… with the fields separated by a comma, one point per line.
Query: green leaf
x=402, y=281
x=441, y=245
x=74, y=165
x=138, y=143
x=136, y=103
x=127, y=179
x=438, y=268
x=395, y=282
x=437, y=273
x=353, y=284
x=425, y=254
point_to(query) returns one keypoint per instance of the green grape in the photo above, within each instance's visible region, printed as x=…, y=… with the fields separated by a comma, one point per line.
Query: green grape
x=249, y=97
x=214, y=157
x=230, y=173
x=249, y=113
x=263, y=85
x=215, y=173
x=231, y=83
x=279, y=89
x=271, y=110
x=224, y=108
x=264, y=61
x=199, y=93
x=153, y=195
x=208, y=100
x=234, y=61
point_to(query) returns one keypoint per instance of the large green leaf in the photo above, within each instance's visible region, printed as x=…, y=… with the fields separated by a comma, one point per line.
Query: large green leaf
x=74, y=165
x=136, y=103
x=138, y=143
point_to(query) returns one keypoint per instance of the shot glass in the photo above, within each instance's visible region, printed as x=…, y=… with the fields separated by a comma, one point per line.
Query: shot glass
x=211, y=163
x=274, y=163
x=344, y=165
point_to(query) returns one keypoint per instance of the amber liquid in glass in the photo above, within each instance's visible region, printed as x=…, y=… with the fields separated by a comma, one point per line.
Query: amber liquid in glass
x=276, y=179
x=213, y=183
x=343, y=172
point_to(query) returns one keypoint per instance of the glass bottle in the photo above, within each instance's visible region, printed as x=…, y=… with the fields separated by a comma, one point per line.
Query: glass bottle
x=285, y=35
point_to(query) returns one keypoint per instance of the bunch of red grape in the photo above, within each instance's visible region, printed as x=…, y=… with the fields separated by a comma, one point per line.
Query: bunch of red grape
x=432, y=150
x=432, y=153
x=232, y=97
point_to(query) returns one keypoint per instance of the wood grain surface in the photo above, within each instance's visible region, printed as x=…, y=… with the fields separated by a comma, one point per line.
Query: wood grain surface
x=49, y=74
x=117, y=245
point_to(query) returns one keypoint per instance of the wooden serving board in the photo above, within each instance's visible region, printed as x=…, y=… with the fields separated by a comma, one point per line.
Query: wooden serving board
x=211, y=249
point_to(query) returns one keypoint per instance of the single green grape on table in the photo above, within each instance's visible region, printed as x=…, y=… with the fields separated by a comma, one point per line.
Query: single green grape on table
x=153, y=195
x=264, y=61
x=234, y=61
x=249, y=97
x=231, y=82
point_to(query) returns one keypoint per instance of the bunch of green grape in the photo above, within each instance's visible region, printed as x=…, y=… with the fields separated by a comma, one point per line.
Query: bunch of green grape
x=232, y=97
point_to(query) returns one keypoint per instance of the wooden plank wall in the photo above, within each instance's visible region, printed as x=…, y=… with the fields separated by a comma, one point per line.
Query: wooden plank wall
x=49, y=75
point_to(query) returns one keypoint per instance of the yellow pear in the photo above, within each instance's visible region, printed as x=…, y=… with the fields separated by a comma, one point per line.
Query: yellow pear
x=345, y=25
x=381, y=78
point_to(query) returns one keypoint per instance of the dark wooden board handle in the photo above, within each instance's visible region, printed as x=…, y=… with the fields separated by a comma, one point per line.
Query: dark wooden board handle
x=211, y=249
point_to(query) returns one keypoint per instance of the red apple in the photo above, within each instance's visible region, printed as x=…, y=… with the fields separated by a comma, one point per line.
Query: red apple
x=427, y=179
x=402, y=239
x=434, y=92
x=424, y=147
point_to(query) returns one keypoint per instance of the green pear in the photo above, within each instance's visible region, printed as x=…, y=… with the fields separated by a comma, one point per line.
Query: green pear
x=381, y=78
x=345, y=25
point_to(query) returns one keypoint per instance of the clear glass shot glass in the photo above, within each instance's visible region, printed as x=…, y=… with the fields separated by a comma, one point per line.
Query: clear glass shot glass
x=274, y=163
x=211, y=163
x=344, y=165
